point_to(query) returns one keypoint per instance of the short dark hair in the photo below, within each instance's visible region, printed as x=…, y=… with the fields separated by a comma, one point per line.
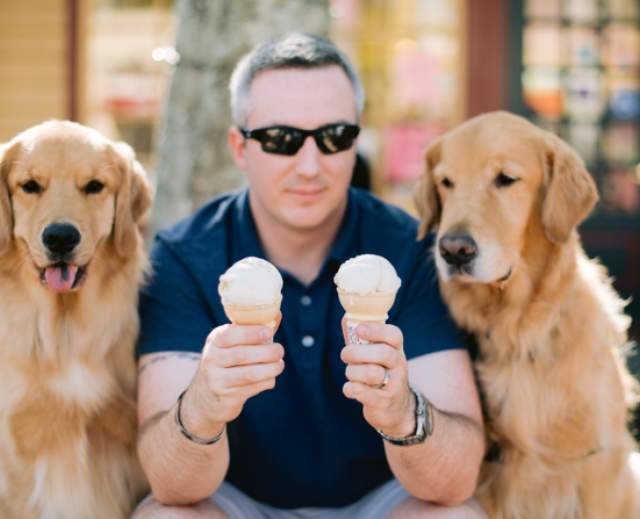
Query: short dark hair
x=293, y=50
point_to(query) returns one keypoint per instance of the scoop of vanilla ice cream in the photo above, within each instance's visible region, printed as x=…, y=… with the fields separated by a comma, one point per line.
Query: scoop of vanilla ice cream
x=250, y=281
x=367, y=274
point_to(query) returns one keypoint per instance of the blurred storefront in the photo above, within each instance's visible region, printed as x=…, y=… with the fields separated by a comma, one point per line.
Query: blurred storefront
x=580, y=77
x=572, y=66
x=100, y=62
x=411, y=55
x=108, y=63
x=423, y=75
x=576, y=71
x=127, y=58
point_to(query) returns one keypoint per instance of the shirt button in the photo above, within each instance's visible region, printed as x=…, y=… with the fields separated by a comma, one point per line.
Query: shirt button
x=308, y=341
x=305, y=300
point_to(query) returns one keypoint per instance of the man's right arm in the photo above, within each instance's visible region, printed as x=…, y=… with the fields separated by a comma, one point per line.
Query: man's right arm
x=237, y=363
x=169, y=459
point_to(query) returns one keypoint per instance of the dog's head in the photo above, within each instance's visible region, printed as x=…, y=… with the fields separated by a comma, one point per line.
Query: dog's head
x=491, y=183
x=66, y=192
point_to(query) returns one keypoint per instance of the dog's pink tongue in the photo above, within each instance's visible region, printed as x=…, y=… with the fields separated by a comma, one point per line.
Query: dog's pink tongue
x=60, y=278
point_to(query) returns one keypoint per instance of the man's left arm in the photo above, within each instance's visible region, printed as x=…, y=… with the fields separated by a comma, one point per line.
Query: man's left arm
x=444, y=468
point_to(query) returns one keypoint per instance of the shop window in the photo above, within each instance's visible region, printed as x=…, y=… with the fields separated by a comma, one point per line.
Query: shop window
x=581, y=79
x=411, y=57
x=125, y=75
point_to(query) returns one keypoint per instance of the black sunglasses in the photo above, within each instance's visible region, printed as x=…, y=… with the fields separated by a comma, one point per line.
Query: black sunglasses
x=287, y=140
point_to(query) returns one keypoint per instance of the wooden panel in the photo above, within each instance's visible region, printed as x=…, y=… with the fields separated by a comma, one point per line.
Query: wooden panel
x=33, y=63
x=25, y=77
x=31, y=7
x=36, y=25
x=20, y=52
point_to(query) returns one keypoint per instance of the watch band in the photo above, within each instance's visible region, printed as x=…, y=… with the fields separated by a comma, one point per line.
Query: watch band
x=190, y=436
x=424, y=423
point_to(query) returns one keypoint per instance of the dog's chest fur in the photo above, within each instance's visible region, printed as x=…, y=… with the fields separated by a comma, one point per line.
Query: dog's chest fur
x=67, y=408
x=544, y=388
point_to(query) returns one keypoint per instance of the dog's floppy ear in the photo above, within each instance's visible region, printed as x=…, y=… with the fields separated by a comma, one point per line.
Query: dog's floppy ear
x=569, y=191
x=133, y=199
x=425, y=197
x=7, y=154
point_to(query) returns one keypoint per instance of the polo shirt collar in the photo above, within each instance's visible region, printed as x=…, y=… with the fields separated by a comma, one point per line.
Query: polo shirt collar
x=246, y=242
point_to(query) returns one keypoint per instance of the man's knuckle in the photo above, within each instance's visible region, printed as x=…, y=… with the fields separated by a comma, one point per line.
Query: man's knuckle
x=248, y=376
x=237, y=357
x=254, y=374
x=274, y=370
x=222, y=391
x=389, y=357
x=213, y=334
x=223, y=335
x=396, y=335
x=275, y=352
x=216, y=358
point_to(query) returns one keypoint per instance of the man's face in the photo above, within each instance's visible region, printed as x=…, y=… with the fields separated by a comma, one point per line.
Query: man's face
x=308, y=189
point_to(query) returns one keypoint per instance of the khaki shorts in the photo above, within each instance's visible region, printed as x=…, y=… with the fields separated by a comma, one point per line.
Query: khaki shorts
x=376, y=504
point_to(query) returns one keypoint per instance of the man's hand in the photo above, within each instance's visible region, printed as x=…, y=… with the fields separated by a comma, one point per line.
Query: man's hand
x=238, y=362
x=389, y=408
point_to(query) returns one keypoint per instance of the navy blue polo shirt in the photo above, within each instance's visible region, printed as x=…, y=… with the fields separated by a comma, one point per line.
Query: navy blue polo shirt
x=303, y=443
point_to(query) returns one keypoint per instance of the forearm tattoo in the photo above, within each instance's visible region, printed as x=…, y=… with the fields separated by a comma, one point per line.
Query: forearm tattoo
x=185, y=355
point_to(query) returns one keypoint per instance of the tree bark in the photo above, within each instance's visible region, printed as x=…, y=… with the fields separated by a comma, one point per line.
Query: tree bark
x=193, y=160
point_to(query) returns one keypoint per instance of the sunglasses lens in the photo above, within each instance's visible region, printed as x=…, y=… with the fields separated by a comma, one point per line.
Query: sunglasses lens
x=283, y=141
x=336, y=138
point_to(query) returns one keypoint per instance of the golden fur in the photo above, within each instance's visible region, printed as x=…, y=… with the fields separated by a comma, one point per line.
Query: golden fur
x=549, y=326
x=67, y=372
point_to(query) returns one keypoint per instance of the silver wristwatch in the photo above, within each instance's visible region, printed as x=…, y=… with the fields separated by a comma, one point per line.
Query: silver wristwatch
x=424, y=423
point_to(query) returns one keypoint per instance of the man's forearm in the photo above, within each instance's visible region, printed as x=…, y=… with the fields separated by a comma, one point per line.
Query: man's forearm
x=170, y=461
x=444, y=468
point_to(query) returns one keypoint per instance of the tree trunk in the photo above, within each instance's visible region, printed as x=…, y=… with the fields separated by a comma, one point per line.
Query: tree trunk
x=193, y=160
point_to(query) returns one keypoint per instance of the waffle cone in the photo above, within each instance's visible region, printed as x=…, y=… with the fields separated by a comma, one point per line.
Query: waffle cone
x=253, y=314
x=366, y=307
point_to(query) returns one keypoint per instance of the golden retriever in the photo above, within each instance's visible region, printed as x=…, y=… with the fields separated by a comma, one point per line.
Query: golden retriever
x=71, y=261
x=505, y=198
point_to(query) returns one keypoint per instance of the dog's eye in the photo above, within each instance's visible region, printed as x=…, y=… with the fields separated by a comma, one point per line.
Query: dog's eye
x=447, y=183
x=31, y=187
x=93, y=187
x=504, y=180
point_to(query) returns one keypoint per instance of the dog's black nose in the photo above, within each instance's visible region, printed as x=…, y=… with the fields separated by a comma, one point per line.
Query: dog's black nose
x=60, y=238
x=457, y=249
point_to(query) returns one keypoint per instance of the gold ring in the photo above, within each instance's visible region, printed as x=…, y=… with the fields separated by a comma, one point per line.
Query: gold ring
x=385, y=379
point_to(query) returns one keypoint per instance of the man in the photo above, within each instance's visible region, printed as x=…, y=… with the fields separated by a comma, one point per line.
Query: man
x=268, y=424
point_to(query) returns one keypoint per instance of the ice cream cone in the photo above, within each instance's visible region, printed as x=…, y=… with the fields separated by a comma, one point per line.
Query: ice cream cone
x=364, y=308
x=367, y=307
x=250, y=292
x=253, y=314
x=367, y=286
